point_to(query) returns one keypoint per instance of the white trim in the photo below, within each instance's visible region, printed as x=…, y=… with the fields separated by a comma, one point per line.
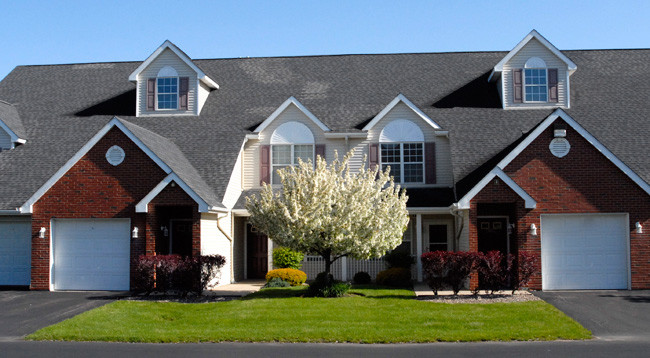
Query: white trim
x=534, y=35
x=188, y=61
x=559, y=113
x=240, y=212
x=428, y=210
x=346, y=135
x=529, y=202
x=418, y=238
x=12, y=134
x=142, y=206
x=392, y=104
x=115, y=122
x=252, y=136
x=285, y=105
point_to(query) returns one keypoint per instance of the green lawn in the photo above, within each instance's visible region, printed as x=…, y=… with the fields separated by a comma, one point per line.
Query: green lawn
x=371, y=315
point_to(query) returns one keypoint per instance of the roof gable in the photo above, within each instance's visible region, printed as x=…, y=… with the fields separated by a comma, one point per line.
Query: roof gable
x=529, y=202
x=400, y=98
x=534, y=35
x=291, y=101
x=10, y=122
x=181, y=55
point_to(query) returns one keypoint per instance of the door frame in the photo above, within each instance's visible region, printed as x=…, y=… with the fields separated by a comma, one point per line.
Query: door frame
x=449, y=222
x=269, y=250
x=508, y=229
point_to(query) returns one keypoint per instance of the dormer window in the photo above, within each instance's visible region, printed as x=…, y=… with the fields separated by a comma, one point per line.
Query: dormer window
x=535, y=80
x=167, y=92
x=402, y=149
x=290, y=142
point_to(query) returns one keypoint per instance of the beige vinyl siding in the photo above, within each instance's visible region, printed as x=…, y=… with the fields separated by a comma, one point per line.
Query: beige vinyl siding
x=443, y=157
x=463, y=241
x=167, y=58
x=534, y=49
x=213, y=241
x=5, y=140
x=234, y=188
x=239, y=248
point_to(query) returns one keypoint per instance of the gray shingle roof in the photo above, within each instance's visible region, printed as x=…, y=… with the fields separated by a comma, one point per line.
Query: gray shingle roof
x=9, y=116
x=62, y=106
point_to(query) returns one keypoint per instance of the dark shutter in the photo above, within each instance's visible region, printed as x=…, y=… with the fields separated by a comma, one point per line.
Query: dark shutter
x=265, y=164
x=373, y=155
x=151, y=94
x=182, y=93
x=430, y=162
x=320, y=150
x=552, y=85
x=517, y=86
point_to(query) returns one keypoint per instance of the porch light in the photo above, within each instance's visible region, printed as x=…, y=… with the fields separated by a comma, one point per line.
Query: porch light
x=533, y=230
x=164, y=230
x=41, y=233
x=639, y=228
x=134, y=233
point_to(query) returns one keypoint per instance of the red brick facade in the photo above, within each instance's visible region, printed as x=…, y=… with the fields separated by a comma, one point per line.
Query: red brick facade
x=93, y=188
x=584, y=181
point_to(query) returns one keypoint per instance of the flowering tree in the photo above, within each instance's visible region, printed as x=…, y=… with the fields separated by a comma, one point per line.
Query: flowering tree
x=329, y=211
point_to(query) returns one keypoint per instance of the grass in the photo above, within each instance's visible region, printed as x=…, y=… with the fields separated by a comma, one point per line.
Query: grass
x=370, y=315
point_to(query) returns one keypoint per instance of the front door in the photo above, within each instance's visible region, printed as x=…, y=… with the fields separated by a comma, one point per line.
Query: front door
x=181, y=237
x=493, y=235
x=257, y=252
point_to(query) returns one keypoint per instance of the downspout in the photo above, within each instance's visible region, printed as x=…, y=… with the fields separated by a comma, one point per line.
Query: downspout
x=459, y=223
x=232, y=255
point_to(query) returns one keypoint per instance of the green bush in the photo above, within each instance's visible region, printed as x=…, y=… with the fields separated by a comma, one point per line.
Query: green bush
x=399, y=259
x=396, y=277
x=276, y=282
x=325, y=286
x=362, y=278
x=294, y=277
x=284, y=257
x=337, y=289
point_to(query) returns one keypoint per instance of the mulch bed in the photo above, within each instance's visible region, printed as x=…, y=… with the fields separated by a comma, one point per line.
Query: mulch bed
x=480, y=298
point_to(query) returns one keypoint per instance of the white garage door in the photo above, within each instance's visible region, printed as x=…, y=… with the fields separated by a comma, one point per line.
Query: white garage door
x=15, y=251
x=584, y=252
x=91, y=254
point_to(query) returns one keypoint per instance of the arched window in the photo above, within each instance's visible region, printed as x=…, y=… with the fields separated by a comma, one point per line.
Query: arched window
x=289, y=142
x=402, y=148
x=167, y=88
x=535, y=80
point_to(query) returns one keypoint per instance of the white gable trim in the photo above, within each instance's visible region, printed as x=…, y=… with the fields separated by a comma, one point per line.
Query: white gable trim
x=291, y=100
x=558, y=113
x=188, y=61
x=12, y=135
x=392, y=104
x=529, y=202
x=142, y=206
x=533, y=35
x=115, y=122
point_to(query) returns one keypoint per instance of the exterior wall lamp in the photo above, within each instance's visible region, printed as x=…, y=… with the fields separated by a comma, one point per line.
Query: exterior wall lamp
x=134, y=233
x=41, y=233
x=639, y=228
x=164, y=230
x=533, y=230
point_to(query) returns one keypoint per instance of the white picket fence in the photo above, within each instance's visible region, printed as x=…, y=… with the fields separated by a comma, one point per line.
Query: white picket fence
x=344, y=268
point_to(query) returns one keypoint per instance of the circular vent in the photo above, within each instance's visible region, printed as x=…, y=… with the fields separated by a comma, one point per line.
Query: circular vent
x=115, y=155
x=559, y=147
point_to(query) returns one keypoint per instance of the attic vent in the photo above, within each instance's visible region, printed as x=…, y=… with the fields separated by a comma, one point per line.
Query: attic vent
x=559, y=147
x=115, y=155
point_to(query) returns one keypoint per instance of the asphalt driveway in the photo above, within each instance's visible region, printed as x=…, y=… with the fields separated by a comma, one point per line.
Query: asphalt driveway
x=23, y=312
x=614, y=315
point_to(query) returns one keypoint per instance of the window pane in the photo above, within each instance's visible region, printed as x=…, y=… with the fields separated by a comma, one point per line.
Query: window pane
x=304, y=152
x=390, y=153
x=394, y=171
x=413, y=152
x=438, y=237
x=413, y=173
x=281, y=154
x=167, y=93
x=276, y=177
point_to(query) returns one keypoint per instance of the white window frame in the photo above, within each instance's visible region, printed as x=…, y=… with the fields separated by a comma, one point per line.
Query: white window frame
x=426, y=243
x=178, y=89
x=293, y=157
x=525, y=86
x=402, y=163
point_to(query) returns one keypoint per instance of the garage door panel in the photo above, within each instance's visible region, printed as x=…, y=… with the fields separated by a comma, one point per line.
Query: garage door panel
x=91, y=254
x=584, y=251
x=15, y=252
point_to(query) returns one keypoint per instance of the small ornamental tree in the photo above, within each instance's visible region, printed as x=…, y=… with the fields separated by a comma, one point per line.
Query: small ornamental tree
x=329, y=211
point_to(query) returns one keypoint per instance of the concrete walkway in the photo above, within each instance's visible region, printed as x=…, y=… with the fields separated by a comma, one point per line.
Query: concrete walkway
x=238, y=289
x=422, y=289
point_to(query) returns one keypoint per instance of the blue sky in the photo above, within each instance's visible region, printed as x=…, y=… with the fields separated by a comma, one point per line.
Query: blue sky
x=53, y=32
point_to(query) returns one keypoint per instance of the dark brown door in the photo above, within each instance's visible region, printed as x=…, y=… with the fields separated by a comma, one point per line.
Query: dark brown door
x=181, y=237
x=257, y=252
x=493, y=235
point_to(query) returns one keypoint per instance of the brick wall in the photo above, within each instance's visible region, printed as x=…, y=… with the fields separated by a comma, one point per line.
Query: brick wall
x=583, y=181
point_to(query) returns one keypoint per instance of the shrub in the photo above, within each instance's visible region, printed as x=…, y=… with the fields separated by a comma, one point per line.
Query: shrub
x=434, y=266
x=398, y=259
x=293, y=276
x=494, y=275
x=143, y=279
x=396, y=277
x=525, y=267
x=361, y=278
x=336, y=289
x=459, y=265
x=276, y=282
x=325, y=286
x=284, y=257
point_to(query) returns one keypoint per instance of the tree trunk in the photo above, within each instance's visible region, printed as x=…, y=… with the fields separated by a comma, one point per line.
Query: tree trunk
x=328, y=261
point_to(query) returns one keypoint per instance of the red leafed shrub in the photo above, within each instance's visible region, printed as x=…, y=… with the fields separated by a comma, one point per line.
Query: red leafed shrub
x=434, y=265
x=459, y=267
x=523, y=269
x=143, y=280
x=494, y=274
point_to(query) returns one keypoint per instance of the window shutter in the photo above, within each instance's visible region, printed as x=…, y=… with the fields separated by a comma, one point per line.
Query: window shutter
x=320, y=150
x=182, y=93
x=552, y=85
x=373, y=155
x=430, y=162
x=517, y=86
x=265, y=164
x=151, y=94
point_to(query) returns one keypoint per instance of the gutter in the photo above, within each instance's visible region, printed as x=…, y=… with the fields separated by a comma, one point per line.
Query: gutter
x=13, y=212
